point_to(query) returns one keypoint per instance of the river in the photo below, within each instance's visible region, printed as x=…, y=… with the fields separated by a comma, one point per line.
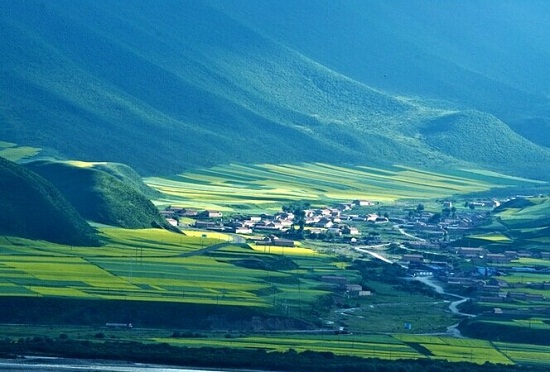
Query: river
x=453, y=306
x=62, y=364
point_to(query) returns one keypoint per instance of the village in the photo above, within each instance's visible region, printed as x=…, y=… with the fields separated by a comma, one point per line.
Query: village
x=420, y=241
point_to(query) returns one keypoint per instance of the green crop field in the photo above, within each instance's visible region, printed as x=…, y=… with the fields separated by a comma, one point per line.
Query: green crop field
x=492, y=237
x=375, y=346
x=398, y=346
x=265, y=187
x=157, y=265
x=524, y=353
x=458, y=350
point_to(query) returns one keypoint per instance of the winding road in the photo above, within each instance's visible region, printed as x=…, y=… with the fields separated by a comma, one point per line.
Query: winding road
x=400, y=229
x=439, y=289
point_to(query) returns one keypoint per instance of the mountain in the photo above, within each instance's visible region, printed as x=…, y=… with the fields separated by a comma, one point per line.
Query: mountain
x=183, y=84
x=484, y=55
x=32, y=208
x=104, y=193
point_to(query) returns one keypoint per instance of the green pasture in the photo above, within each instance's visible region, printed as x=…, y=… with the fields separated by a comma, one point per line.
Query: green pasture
x=235, y=187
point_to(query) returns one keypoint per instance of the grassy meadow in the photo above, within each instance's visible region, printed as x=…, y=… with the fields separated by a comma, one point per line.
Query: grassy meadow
x=264, y=187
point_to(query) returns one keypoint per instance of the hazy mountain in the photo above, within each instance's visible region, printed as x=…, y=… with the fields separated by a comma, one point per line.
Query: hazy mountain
x=32, y=208
x=104, y=193
x=486, y=55
x=164, y=86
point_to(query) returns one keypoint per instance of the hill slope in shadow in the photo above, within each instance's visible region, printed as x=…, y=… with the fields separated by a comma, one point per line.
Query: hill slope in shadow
x=32, y=208
x=488, y=56
x=100, y=196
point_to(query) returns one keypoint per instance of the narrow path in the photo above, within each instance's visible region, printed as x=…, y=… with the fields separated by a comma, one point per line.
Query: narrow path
x=235, y=240
x=400, y=229
x=373, y=254
x=377, y=255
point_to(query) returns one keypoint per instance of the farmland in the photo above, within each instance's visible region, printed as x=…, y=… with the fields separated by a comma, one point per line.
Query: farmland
x=153, y=265
x=398, y=346
x=265, y=187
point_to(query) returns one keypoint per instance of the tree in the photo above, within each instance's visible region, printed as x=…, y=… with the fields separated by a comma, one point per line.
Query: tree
x=298, y=209
x=453, y=212
x=435, y=218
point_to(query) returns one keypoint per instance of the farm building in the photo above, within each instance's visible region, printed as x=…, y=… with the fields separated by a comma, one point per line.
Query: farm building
x=210, y=214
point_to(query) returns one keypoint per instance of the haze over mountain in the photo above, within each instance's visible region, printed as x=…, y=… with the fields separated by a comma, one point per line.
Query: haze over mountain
x=487, y=55
x=164, y=86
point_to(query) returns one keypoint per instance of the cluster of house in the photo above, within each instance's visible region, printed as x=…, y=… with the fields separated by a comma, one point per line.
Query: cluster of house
x=340, y=221
x=340, y=283
x=329, y=221
x=423, y=226
x=335, y=223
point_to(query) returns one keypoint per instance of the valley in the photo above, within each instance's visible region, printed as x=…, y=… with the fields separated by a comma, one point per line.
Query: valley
x=315, y=286
x=277, y=185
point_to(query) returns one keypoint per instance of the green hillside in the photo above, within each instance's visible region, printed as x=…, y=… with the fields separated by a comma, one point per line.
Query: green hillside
x=527, y=219
x=488, y=56
x=102, y=193
x=521, y=224
x=178, y=85
x=32, y=208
